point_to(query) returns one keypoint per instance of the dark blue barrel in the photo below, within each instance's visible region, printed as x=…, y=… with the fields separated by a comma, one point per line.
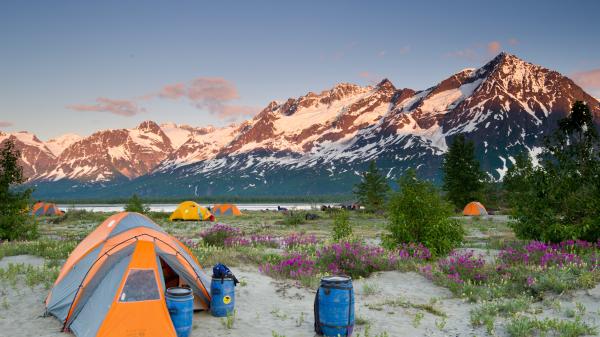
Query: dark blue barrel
x=222, y=293
x=334, y=307
x=180, y=302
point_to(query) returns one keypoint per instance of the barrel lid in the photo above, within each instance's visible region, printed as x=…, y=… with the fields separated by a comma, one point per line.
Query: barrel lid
x=336, y=279
x=179, y=291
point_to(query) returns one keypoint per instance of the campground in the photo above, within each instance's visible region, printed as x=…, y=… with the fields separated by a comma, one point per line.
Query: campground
x=406, y=298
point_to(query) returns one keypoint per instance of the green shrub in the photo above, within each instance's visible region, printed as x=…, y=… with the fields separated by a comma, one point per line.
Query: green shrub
x=294, y=218
x=558, y=199
x=341, y=226
x=18, y=227
x=417, y=213
x=135, y=204
x=15, y=223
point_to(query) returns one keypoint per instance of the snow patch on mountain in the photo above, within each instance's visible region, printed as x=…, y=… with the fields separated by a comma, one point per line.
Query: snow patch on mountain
x=59, y=144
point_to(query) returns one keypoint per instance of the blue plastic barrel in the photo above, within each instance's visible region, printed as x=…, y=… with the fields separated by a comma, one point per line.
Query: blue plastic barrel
x=222, y=293
x=180, y=302
x=334, y=307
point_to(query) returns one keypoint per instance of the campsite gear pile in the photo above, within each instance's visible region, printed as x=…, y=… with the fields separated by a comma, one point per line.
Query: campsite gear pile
x=474, y=208
x=180, y=302
x=222, y=290
x=189, y=210
x=45, y=209
x=334, y=307
x=114, y=282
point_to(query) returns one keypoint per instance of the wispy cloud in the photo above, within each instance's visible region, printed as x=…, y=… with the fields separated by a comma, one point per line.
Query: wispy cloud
x=370, y=77
x=404, y=50
x=339, y=53
x=5, y=124
x=213, y=94
x=233, y=112
x=481, y=52
x=173, y=91
x=494, y=47
x=467, y=53
x=589, y=80
x=122, y=107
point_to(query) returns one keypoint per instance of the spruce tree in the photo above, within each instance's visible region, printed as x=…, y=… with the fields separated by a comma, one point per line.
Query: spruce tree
x=135, y=204
x=15, y=222
x=463, y=179
x=558, y=199
x=372, y=190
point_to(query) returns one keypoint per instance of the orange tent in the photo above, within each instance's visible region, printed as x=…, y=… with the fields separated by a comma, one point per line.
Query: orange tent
x=45, y=208
x=474, y=208
x=114, y=281
x=226, y=209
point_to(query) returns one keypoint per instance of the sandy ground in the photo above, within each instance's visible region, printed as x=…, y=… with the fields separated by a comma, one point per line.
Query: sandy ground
x=265, y=305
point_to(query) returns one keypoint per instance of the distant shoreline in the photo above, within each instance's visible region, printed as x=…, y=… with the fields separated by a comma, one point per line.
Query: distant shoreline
x=216, y=200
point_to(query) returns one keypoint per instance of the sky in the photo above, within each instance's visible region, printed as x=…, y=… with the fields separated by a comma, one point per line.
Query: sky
x=82, y=66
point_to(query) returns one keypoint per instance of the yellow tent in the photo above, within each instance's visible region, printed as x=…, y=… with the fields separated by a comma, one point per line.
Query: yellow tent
x=189, y=210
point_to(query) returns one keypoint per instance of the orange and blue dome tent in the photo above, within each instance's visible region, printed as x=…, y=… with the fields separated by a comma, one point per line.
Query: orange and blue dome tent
x=114, y=281
x=474, y=208
x=45, y=208
x=226, y=209
x=189, y=210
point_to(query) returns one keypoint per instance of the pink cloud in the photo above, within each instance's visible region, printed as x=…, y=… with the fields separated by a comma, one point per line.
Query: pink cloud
x=211, y=89
x=214, y=94
x=120, y=107
x=172, y=91
x=480, y=52
x=588, y=79
x=371, y=78
x=404, y=50
x=365, y=74
x=233, y=112
x=468, y=53
x=494, y=47
x=513, y=41
x=4, y=124
x=381, y=53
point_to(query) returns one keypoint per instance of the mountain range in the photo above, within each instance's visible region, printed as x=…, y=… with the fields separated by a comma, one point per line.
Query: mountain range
x=315, y=144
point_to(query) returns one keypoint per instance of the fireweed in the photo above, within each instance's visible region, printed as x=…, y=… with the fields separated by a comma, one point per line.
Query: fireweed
x=354, y=259
x=292, y=265
x=253, y=240
x=463, y=267
x=532, y=268
x=218, y=233
x=298, y=239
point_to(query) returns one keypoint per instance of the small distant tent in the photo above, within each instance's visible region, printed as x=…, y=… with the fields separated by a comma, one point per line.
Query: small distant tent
x=226, y=209
x=114, y=281
x=189, y=210
x=45, y=208
x=474, y=208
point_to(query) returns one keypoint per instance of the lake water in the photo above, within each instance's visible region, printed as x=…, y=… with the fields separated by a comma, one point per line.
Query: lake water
x=172, y=207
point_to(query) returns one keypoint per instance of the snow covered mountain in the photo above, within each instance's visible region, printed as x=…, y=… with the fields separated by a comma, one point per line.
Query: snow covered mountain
x=36, y=157
x=59, y=144
x=111, y=155
x=319, y=142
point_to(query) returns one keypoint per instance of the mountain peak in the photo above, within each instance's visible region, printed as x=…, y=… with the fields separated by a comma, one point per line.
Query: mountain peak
x=273, y=105
x=504, y=58
x=385, y=84
x=149, y=126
